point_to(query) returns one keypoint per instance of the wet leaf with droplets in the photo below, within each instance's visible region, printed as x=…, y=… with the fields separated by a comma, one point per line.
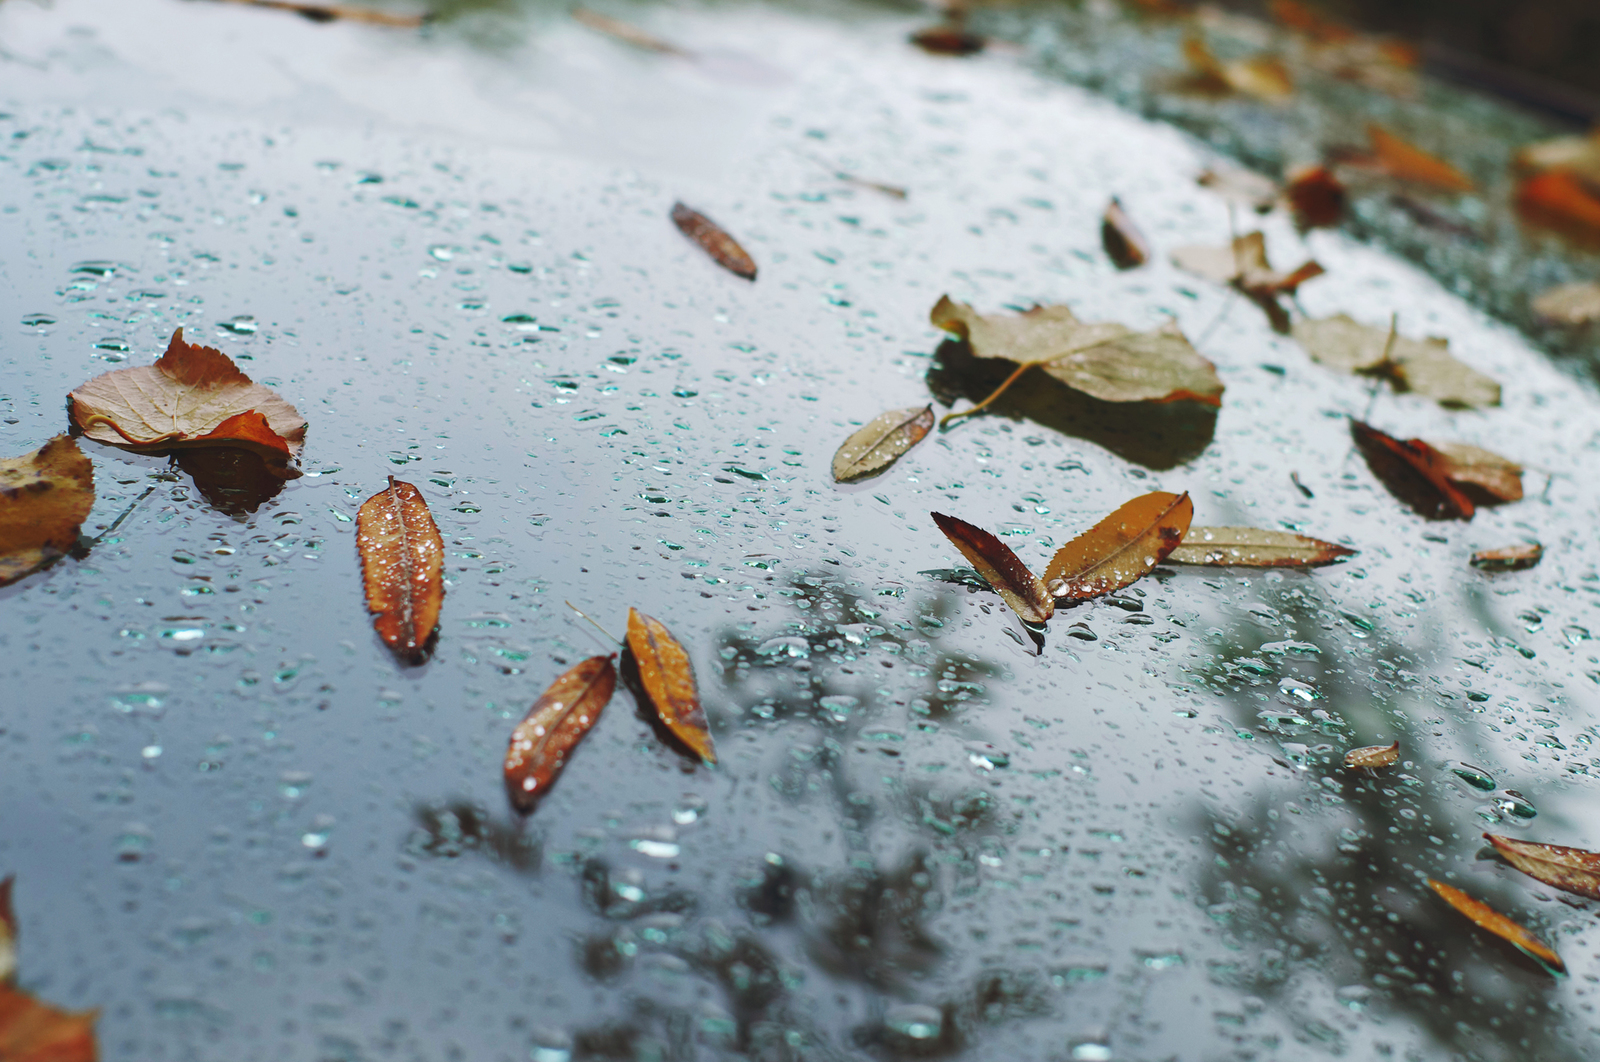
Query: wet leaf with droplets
x=668, y=680
x=1021, y=589
x=1372, y=756
x=558, y=720
x=1255, y=547
x=881, y=442
x=1509, y=558
x=1122, y=548
x=1486, y=917
x=44, y=497
x=402, y=567
x=714, y=240
x=1573, y=870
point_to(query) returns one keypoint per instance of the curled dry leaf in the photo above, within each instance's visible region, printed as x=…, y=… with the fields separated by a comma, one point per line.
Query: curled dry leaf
x=1407, y=162
x=668, y=680
x=1372, y=756
x=626, y=32
x=1244, y=265
x=1121, y=237
x=949, y=38
x=1241, y=186
x=1570, y=303
x=193, y=396
x=335, y=12
x=1316, y=197
x=558, y=720
x=44, y=497
x=1424, y=366
x=1261, y=77
x=1106, y=360
x=1571, y=870
x=723, y=249
x=402, y=567
x=1122, y=548
x=1509, y=558
x=1564, y=201
x=881, y=442
x=1486, y=917
x=1255, y=547
x=1001, y=568
x=1414, y=472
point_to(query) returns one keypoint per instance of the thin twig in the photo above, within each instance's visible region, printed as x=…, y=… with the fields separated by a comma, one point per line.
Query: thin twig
x=591, y=619
x=950, y=418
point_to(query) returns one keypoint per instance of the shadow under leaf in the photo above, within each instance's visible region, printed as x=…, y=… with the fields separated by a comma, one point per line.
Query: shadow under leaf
x=232, y=480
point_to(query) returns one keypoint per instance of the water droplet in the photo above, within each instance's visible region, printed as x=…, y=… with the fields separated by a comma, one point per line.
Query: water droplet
x=914, y=1021
x=1476, y=777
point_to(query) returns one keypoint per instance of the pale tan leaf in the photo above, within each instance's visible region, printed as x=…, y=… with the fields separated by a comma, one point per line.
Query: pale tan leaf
x=1570, y=303
x=1372, y=756
x=1000, y=568
x=1509, y=558
x=1243, y=263
x=1573, y=870
x=1241, y=186
x=881, y=442
x=1464, y=465
x=1255, y=547
x=44, y=497
x=1424, y=366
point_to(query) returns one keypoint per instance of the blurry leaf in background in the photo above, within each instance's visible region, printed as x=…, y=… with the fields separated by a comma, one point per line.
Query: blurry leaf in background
x=1122, y=548
x=8, y=932
x=1579, y=155
x=1316, y=197
x=949, y=38
x=1573, y=870
x=31, y=1031
x=1003, y=570
x=1483, y=473
x=1424, y=366
x=1564, y=201
x=1486, y=917
x=1577, y=303
x=402, y=567
x=1121, y=237
x=555, y=724
x=335, y=12
x=44, y=497
x=1243, y=263
x=626, y=32
x=1242, y=186
x=1261, y=77
x=1371, y=756
x=667, y=676
x=1405, y=161
x=1255, y=547
x=1509, y=559
x=881, y=442
x=1414, y=472
x=723, y=249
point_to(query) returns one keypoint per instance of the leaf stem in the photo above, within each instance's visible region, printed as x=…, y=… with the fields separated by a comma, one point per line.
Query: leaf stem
x=591, y=619
x=950, y=418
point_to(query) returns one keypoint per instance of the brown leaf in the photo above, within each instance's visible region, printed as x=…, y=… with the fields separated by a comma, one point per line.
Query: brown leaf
x=1486, y=917
x=1316, y=197
x=31, y=1031
x=1424, y=366
x=1121, y=237
x=668, y=679
x=1571, y=870
x=1244, y=265
x=1372, y=756
x=333, y=12
x=948, y=38
x=1255, y=547
x=1508, y=558
x=1002, y=569
x=1579, y=155
x=8, y=932
x=1261, y=77
x=1564, y=201
x=402, y=567
x=626, y=32
x=558, y=720
x=723, y=249
x=1478, y=471
x=1414, y=472
x=881, y=442
x=1122, y=548
x=1570, y=303
x=44, y=497
x=193, y=396
x=1407, y=162
x=1241, y=186
x=1107, y=360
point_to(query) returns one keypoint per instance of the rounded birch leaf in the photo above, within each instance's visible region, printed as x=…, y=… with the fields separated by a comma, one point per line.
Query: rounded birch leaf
x=881, y=442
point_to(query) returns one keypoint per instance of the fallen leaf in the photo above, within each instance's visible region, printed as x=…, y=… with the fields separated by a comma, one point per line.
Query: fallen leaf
x=948, y=38
x=1262, y=77
x=1579, y=155
x=8, y=932
x=1244, y=265
x=1316, y=197
x=44, y=497
x=668, y=679
x=1003, y=570
x=1509, y=558
x=1241, y=186
x=1476, y=470
x=1570, y=303
x=1372, y=756
x=1571, y=870
x=1414, y=472
x=1121, y=549
x=1255, y=547
x=31, y=1031
x=333, y=12
x=1106, y=360
x=1302, y=19
x=893, y=191
x=723, y=249
x=193, y=396
x=558, y=720
x=881, y=442
x=626, y=32
x=1121, y=237
x=1424, y=366
x=402, y=567
x=1486, y=917
x=1561, y=200
x=1407, y=162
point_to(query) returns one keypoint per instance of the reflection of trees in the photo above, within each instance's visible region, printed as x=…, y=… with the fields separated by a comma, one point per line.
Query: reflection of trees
x=1338, y=886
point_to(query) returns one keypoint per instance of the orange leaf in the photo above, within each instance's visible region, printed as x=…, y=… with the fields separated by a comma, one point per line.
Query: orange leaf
x=1372, y=756
x=1315, y=196
x=1509, y=559
x=1122, y=548
x=1571, y=870
x=1414, y=472
x=558, y=720
x=723, y=249
x=31, y=1031
x=1121, y=237
x=402, y=567
x=1408, y=162
x=1001, y=568
x=668, y=679
x=44, y=497
x=1561, y=200
x=1486, y=917
x=193, y=396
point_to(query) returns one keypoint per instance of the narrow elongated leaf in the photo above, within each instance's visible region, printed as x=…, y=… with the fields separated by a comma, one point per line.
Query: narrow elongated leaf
x=1414, y=472
x=1121, y=237
x=31, y=1031
x=1571, y=304
x=1486, y=917
x=8, y=932
x=1573, y=870
x=668, y=679
x=1001, y=568
x=1262, y=77
x=626, y=32
x=1563, y=201
x=1401, y=159
x=1255, y=547
x=558, y=720
x=881, y=442
x=1372, y=756
x=335, y=12
x=723, y=249
x=193, y=396
x=1508, y=558
x=44, y=497
x=1120, y=549
x=402, y=567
